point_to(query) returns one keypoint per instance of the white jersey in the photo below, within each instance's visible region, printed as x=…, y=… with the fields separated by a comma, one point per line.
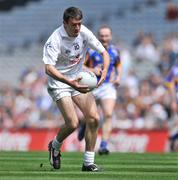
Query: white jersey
x=67, y=54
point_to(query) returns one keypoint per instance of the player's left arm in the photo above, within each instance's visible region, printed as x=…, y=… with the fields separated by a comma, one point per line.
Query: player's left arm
x=106, y=62
x=118, y=68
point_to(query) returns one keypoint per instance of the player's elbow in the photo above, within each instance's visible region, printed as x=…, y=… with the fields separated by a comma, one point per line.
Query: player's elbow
x=47, y=69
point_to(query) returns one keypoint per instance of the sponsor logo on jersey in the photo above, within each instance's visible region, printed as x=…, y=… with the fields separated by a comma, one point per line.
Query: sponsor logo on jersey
x=67, y=51
x=76, y=60
x=76, y=46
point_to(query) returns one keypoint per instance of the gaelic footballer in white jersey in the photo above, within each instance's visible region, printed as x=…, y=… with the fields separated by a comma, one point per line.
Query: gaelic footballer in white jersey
x=64, y=55
x=68, y=57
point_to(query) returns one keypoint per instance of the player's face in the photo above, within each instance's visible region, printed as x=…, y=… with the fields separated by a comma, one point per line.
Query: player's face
x=105, y=36
x=72, y=27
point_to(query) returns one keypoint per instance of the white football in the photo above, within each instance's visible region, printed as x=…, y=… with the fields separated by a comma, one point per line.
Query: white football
x=88, y=78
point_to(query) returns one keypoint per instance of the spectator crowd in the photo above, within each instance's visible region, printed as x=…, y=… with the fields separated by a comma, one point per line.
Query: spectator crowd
x=143, y=100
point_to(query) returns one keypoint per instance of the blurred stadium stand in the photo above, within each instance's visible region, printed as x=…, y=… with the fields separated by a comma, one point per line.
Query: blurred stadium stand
x=7, y=5
x=24, y=30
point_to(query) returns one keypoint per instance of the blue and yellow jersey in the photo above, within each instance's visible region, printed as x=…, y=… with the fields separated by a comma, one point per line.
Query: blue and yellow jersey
x=94, y=59
x=172, y=78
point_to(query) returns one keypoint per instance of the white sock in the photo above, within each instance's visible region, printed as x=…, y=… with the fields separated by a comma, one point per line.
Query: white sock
x=56, y=145
x=89, y=158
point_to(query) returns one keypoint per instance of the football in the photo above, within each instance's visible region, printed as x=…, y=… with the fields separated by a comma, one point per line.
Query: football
x=88, y=78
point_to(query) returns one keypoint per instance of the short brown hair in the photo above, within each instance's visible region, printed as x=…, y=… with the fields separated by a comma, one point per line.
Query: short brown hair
x=72, y=12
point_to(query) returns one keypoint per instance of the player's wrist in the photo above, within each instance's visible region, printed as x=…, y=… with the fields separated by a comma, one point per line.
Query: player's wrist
x=104, y=71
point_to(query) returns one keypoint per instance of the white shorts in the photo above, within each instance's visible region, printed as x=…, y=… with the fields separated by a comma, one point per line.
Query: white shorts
x=105, y=91
x=58, y=90
x=59, y=93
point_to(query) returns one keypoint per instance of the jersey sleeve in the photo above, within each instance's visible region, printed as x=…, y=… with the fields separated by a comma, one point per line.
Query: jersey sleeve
x=50, y=52
x=93, y=42
x=116, y=53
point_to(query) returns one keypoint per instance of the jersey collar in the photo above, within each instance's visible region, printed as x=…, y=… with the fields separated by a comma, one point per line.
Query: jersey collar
x=63, y=31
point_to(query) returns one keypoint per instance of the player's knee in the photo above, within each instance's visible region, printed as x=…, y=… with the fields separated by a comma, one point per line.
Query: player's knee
x=73, y=125
x=108, y=116
x=93, y=121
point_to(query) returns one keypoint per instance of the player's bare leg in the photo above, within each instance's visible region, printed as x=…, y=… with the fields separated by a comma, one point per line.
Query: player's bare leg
x=107, y=106
x=67, y=109
x=87, y=105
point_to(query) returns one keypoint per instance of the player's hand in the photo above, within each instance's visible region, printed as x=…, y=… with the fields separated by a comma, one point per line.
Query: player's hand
x=79, y=87
x=116, y=82
x=103, y=77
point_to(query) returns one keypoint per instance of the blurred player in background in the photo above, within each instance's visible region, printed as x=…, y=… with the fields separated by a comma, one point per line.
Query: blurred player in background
x=106, y=94
x=64, y=55
x=172, y=84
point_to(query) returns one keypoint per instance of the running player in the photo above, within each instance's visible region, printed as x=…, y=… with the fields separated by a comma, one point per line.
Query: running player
x=63, y=56
x=106, y=94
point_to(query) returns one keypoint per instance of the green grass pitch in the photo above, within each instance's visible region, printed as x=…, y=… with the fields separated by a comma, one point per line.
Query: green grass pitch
x=35, y=166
